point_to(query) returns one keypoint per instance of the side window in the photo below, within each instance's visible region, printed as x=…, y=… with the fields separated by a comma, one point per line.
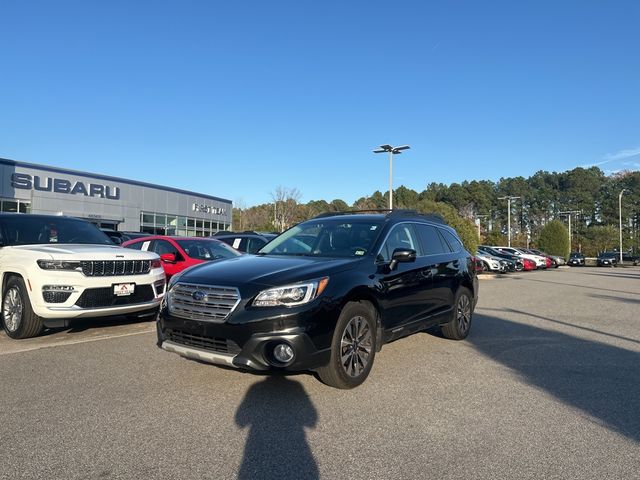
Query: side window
x=454, y=241
x=162, y=246
x=431, y=242
x=255, y=244
x=401, y=236
x=135, y=246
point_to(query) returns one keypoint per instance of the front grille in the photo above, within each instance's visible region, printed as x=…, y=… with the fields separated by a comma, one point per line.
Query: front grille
x=219, y=345
x=104, y=297
x=52, y=296
x=107, y=268
x=216, y=303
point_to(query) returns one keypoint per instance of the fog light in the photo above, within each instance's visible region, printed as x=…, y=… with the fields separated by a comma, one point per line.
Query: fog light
x=283, y=352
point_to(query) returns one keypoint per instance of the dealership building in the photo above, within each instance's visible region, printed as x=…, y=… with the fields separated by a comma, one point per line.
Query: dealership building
x=110, y=202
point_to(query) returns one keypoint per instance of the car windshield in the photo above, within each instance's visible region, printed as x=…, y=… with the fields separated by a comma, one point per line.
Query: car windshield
x=35, y=230
x=207, y=249
x=576, y=255
x=609, y=254
x=326, y=238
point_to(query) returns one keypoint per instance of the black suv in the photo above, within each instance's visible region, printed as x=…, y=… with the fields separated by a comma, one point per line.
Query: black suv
x=325, y=296
x=576, y=259
x=608, y=259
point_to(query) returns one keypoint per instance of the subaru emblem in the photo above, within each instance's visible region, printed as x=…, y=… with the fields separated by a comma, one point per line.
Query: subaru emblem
x=198, y=295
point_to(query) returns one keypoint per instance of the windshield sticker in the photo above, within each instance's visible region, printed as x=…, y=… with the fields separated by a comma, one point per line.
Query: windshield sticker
x=360, y=252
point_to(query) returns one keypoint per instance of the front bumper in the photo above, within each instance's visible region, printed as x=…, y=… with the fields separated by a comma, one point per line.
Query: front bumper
x=249, y=345
x=73, y=306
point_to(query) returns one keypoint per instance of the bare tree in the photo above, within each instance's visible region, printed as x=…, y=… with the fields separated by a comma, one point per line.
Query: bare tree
x=285, y=201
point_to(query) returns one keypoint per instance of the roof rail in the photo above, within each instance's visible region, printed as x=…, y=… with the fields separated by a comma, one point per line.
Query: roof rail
x=351, y=212
x=433, y=217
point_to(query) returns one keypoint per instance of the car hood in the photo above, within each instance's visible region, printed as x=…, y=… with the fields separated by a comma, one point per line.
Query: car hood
x=265, y=270
x=73, y=251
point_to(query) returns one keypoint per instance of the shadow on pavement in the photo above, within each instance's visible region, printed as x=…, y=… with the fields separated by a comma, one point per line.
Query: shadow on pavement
x=580, y=286
x=634, y=301
x=277, y=410
x=79, y=325
x=601, y=380
x=560, y=322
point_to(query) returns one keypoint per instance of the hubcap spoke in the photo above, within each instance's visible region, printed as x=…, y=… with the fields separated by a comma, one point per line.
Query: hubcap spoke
x=12, y=309
x=356, y=346
x=464, y=313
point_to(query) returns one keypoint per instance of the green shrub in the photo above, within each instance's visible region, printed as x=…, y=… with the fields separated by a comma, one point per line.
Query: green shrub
x=554, y=239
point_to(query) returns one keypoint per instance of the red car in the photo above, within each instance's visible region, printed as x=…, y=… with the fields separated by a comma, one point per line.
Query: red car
x=178, y=253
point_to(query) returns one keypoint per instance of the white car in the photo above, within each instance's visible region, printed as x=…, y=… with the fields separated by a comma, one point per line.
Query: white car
x=541, y=262
x=490, y=263
x=56, y=268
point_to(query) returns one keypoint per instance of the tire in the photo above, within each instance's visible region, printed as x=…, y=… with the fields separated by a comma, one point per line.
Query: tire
x=460, y=324
x=485, y=267
x=355, y=332
x=18, y=318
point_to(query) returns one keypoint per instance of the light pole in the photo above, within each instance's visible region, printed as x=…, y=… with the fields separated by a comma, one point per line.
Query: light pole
x=392, y=151
x=508, y=198
x=479, y=218
x=569, y=213
x=620, y=218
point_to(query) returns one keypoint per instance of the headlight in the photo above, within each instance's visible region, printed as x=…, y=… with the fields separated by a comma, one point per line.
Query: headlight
x=291, y=295
x=174, y=280
x=156, y=263
x=59, y=265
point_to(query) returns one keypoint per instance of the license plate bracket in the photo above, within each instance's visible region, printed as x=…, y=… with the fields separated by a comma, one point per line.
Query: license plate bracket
x=123, y=289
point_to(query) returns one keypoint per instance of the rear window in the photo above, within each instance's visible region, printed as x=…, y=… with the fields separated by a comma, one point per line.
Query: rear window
x=452, y=240
x=432, y=243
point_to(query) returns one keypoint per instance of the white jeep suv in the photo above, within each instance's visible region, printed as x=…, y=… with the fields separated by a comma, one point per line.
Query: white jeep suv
x=55, y=268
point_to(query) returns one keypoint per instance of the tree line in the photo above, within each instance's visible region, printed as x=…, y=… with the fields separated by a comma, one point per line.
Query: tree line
x=475, y=209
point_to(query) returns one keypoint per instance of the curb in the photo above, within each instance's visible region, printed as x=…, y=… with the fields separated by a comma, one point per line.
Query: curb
x=487, y=276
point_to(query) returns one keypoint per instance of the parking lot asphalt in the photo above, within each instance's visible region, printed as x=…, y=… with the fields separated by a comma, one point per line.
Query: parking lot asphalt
x=546, y=386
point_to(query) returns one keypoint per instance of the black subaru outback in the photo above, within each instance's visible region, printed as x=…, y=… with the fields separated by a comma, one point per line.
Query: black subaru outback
x=325, y=296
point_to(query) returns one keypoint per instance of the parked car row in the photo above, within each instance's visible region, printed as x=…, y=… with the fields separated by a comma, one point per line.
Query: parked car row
x=509, y=259
x=604, y=259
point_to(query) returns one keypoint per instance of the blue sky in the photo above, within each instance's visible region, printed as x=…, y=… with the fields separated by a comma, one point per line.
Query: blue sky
x=236, y=98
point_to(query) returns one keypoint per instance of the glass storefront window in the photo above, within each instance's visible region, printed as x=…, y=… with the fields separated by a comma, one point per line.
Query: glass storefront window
x=9, y=206
x=160, y=223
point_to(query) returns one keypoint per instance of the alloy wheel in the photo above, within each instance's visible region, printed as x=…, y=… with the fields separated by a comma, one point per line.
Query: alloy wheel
x=356, y=346
x=12, y=309
x=464, y=313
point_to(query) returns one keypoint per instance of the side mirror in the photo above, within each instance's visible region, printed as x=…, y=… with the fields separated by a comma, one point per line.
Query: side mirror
x=168, y=258
x=402, y=255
